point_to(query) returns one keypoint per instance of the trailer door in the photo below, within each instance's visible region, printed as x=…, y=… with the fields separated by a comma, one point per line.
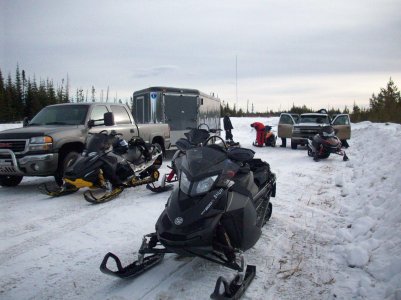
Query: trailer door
x=181, y=111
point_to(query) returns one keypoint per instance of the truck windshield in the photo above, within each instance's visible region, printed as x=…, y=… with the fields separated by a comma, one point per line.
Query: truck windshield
x=61, y=115
x=314, y=119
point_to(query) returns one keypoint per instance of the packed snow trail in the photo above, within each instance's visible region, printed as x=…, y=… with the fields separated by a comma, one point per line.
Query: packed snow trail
x=332, y=235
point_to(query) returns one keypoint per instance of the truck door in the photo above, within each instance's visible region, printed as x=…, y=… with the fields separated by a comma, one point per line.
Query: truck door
x=122, y=119
x=96, y=115
x=342, y=125
x=124, y=123
x=285, y=125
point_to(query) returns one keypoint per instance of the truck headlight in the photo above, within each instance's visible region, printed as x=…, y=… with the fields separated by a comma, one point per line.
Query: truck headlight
x=40, y=143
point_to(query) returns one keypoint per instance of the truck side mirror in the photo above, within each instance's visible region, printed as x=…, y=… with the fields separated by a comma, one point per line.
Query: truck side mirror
x=108, y=119
x=25, y=122
x=91, y=123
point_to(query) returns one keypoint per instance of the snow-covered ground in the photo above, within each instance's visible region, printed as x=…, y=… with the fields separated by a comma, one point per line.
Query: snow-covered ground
x=335, y=232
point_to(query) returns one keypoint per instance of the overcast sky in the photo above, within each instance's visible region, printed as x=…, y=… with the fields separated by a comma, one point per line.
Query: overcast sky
x=318, y=52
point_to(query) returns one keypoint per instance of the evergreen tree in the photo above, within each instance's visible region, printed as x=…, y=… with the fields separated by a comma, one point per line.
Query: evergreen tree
x=3, y=103
x=386, y=106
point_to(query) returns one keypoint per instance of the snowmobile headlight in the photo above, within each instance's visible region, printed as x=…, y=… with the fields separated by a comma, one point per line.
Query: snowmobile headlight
x=196, y=187
x=185, y=184
x=203, y=185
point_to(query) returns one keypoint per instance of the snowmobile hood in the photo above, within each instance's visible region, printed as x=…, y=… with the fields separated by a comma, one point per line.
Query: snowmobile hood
x=82, y=166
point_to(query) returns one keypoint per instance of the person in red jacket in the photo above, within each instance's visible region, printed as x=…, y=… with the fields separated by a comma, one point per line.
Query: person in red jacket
x=260, y=133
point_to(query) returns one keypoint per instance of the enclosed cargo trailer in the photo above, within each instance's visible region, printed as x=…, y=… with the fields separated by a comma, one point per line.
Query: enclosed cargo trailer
x=180, y=108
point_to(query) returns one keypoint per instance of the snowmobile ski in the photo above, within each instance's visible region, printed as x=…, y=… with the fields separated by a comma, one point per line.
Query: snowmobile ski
x=234, y=289
x=132, y=270
x=90, y=197
x=55, y=190
x=144, y=263
x=159, y=189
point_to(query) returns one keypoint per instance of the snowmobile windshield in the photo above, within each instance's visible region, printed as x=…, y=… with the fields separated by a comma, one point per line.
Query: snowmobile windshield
x=327, y=131
x=98, y=142
x=328, y=134
x=201, y=167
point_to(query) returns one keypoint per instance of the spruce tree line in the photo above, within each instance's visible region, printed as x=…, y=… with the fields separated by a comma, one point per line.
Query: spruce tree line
x=24, y=97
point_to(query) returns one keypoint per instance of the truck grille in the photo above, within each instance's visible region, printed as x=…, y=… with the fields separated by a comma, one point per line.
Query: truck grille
x=310, y=131
x=14, y=145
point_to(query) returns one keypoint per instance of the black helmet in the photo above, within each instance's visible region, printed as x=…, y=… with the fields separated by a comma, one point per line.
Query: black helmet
x=327, y=131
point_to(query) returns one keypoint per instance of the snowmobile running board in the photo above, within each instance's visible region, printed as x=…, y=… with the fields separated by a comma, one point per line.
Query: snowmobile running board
x=133, y=269
x=233, y=290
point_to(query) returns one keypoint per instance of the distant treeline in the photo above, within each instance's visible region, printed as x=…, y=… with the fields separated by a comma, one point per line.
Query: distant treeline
x=385, y=107
x=23, y=97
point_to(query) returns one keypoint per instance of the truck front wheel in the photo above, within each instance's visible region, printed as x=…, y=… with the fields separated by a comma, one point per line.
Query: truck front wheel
x=293, y=145
x=67, y=161
x=10, y=180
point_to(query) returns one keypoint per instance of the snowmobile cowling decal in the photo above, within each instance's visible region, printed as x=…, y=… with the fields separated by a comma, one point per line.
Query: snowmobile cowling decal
x=216, y=196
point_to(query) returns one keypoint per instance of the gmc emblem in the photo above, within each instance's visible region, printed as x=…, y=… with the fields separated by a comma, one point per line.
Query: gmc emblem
x=6, y=145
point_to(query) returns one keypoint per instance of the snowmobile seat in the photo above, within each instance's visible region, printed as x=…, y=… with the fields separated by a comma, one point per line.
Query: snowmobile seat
x=240, y=154
x=261, y=171
x=183, y=144
x=244, y=182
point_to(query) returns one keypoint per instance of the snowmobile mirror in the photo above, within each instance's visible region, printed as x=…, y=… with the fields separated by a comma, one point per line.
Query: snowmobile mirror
x=108, y=119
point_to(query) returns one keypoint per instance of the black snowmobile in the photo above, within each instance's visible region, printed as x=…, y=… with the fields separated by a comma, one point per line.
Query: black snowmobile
x=324, y=143
x=216, y=213
x=195, y=137
x=108, y=165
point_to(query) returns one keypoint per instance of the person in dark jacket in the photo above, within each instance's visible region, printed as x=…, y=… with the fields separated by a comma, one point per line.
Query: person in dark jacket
x=228, y=127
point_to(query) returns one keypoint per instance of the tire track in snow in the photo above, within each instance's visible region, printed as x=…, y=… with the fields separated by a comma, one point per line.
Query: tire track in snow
x=74, y=220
